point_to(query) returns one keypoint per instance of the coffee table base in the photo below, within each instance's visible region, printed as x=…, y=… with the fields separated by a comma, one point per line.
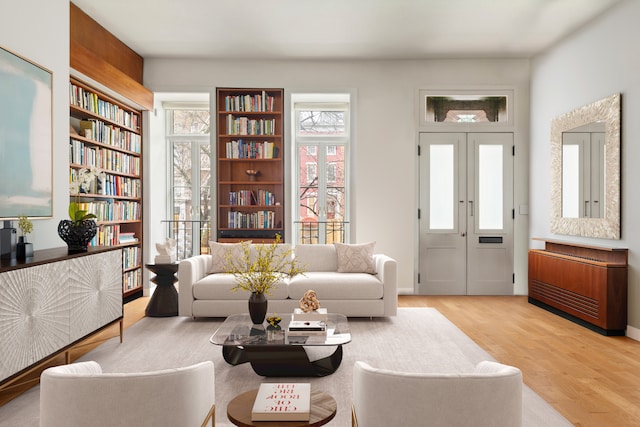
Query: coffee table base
x=282, y=360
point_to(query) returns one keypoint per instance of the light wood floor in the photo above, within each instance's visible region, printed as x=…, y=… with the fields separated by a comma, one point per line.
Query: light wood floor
x=591, y=379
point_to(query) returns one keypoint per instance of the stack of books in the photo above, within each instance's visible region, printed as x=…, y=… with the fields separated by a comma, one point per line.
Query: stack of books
x=319, y=314
x=124, y=238
x=307, y=327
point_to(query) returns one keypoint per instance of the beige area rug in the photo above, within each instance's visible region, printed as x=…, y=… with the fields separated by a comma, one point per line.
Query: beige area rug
x=417, y=340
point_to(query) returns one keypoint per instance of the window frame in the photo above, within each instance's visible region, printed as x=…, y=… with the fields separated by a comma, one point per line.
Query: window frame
x=342, y=101
x=197, y=140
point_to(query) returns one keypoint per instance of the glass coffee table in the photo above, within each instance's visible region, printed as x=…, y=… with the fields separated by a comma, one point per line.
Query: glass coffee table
x=273, y=353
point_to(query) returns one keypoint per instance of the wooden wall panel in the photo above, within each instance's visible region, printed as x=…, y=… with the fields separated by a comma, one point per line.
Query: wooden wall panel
x=99, y=55
x=85, y=31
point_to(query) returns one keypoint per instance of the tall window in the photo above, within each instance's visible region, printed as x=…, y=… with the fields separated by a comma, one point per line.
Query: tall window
x=189, y=145
x=322, y=135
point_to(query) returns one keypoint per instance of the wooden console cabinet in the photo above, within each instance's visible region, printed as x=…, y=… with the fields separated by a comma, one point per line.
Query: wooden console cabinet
x=586, y=284
x=50, y=303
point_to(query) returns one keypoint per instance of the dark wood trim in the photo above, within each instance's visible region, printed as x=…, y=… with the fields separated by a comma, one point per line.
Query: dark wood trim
x=46, y=256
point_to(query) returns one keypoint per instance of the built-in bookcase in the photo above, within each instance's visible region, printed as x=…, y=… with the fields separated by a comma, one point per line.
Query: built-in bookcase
x=250, y=185
x=106, y=134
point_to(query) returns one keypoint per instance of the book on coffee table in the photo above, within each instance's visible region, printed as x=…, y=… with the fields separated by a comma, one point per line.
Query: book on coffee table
x=282, y=402
x=307, y=326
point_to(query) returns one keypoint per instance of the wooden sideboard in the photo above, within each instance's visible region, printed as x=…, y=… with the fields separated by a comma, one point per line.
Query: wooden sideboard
x=50, y=303
x=586, y=284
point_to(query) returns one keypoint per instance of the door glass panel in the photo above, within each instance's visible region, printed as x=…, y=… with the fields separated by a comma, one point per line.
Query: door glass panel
x=466, y=109
x=490, y=187
x=441, y=187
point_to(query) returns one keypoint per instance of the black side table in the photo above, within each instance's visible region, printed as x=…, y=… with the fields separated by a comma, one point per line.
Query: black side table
x=164, y=301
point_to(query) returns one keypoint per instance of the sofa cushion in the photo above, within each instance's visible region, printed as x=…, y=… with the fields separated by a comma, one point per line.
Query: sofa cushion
x=336, y=286
x=316, y=257
x=218, y=287
x=355, y=258
x=219, y=253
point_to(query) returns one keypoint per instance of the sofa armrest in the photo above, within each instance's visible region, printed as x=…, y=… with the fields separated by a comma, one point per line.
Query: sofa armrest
x=190, y=270
x=387, y=271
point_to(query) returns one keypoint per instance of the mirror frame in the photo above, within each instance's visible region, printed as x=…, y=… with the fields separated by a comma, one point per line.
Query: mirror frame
x=606, y=110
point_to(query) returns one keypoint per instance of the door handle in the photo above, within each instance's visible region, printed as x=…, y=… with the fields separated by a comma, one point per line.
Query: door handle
x=463, y=234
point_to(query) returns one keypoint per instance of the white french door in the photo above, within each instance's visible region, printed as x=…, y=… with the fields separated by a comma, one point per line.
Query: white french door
x=466, y=214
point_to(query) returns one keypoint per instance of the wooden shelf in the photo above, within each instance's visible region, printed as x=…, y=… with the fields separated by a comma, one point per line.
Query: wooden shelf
x=116, y=134
x=254, y=152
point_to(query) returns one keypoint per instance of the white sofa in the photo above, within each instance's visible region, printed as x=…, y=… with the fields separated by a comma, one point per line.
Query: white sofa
x=205, y=291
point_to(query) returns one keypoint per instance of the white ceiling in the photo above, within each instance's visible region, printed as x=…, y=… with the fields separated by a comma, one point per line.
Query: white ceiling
x=342, y=29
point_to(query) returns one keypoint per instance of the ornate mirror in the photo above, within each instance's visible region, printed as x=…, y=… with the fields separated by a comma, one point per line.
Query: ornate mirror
x=585, y=168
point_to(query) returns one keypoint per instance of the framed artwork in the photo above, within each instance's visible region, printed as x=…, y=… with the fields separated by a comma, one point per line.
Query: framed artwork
x=26, y=138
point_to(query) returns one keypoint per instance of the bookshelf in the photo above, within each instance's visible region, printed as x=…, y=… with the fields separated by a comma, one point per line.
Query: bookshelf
x=106, y=134
x=250, y=149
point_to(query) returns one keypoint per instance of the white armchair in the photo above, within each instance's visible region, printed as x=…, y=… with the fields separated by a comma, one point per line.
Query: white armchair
x=491, y=395
x=79, y=394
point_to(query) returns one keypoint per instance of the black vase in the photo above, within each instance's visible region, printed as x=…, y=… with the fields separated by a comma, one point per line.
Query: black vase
x=258, y=307
x=77, y=236
x=24, y=249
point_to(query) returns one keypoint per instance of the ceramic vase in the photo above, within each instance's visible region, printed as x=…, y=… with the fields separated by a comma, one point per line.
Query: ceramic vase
x=258, y=307
x=77, y=236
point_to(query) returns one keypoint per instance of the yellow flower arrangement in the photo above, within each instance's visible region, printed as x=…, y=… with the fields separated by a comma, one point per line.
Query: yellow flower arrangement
x=259, y=267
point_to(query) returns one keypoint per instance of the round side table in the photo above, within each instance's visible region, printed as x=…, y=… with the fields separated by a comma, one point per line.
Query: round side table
x=164, y=301
x=323, y=410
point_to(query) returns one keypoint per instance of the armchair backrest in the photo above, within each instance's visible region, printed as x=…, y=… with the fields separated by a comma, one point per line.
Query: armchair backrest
x=80, y=394
x=491, y=395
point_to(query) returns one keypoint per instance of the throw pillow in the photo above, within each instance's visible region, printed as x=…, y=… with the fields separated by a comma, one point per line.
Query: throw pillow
x=219, y=253
x=355, y=258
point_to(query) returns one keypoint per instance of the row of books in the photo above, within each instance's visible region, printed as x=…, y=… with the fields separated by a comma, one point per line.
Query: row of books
x=110, y=235
x=260, y=219
x=90, y=101
x=241, y=149
x=251, y=198
x=132, y=279
x=130, y=257
x=104, y=158
x=111, y=135
x=249, y=103
x=112, y=210
x=111, y=185
x=247, y=126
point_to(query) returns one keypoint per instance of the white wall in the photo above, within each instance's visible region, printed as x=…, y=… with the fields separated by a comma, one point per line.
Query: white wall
x=594, y=63
x=39, y=31
x=384, y=167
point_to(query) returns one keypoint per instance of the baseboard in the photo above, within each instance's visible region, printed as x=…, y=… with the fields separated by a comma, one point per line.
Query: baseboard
x=633, y=333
